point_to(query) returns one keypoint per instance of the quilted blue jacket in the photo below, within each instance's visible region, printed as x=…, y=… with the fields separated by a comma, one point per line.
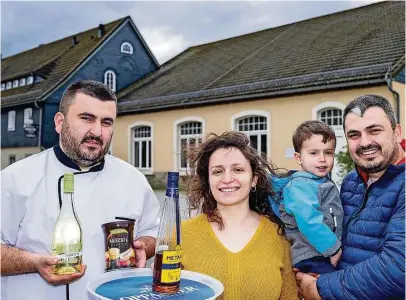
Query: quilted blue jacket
x=372, y=265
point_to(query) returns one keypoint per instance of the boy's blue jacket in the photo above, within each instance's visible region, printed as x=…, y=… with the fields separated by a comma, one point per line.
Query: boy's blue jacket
x=311, y=210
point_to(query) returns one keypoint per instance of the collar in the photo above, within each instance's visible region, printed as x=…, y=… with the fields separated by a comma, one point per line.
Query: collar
x=67, y=161
x=365, y=175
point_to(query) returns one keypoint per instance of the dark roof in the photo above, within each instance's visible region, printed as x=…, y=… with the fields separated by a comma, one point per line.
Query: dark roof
x=349, y=48
x=53, y=61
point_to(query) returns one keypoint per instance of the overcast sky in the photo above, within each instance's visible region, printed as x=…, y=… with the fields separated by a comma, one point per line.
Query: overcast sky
x=167, y=27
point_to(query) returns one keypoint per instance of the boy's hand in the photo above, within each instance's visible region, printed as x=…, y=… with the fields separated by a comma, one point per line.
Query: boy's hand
x=334, y=259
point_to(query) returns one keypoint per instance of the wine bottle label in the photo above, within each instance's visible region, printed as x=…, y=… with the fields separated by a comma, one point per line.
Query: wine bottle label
x=71, y=253
x=171, y=265
x=172, y=193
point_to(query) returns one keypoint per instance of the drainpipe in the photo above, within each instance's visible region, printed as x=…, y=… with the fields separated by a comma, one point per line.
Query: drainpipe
x=39, y=125
x=389, y=80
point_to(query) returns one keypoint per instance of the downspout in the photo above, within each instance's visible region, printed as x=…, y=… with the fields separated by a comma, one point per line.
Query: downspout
x=389, y=79
x=39, y=125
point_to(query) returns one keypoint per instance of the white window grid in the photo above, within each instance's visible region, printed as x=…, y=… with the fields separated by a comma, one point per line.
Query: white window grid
x=110, y=80
x=8, y=85
x=22, y=81
x=142, y=136
x=190, y=135
x=332, y=116
x=15, y=83
x=11, y=125
x=28, y=116
x=255, y=126
x=30, y=79
x=127, y=48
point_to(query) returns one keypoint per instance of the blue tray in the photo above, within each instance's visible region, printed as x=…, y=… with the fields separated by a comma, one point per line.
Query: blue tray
x=137, y=284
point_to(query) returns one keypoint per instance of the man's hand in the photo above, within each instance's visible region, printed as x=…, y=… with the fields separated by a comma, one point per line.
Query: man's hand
x=44, y=265
x=140, y=254
x=307, y=286
x=335, y=259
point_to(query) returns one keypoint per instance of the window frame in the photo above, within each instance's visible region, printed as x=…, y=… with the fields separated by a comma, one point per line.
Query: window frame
x=255, y=113
x=9, y=85
x=3, y=86
x=130, y=51
x=11, y=120
x=28, y=116
x=177, y=141
x=23, y=81
x=12, y=157
x=114, y=79
x=131, y=142
x=30, y=79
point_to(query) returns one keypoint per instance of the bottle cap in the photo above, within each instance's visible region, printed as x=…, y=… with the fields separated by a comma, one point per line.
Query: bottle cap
x=68, y=183
x=173, y=179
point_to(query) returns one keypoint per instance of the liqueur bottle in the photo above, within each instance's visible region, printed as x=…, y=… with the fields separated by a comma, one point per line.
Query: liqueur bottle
x=168, y=251
x=67, y=239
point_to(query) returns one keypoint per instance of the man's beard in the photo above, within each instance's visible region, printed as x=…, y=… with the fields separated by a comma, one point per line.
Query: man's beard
x=71, y=147
x=389, y=156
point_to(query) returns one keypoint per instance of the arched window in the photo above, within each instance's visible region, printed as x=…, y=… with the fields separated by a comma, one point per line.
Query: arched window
x=256, y=128
x=141, y=140
x=332, y=116
x=127, y=48
x=110, y=80
x=190, y=135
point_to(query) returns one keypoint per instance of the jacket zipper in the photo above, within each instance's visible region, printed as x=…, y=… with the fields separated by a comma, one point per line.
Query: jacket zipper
x=334, y=220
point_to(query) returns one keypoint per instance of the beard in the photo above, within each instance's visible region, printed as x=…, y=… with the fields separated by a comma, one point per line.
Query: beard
x=368, y=165
x=83, y=157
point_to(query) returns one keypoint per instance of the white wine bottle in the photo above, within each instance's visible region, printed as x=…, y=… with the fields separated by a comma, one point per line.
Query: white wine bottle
x=67, y=239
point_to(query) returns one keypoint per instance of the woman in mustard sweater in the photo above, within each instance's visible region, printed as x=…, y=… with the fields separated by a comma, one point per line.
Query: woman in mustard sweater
x=236, y=239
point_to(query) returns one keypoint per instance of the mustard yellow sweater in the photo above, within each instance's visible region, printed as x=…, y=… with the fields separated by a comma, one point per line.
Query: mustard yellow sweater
x=261, y=270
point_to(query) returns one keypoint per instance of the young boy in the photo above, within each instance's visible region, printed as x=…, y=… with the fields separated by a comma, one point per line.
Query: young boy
x=308, y=202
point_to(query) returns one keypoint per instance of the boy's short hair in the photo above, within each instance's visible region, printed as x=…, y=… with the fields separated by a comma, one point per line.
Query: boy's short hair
x=309, y=128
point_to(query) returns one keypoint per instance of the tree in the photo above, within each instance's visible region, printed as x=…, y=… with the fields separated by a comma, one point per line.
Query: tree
x=344, y=162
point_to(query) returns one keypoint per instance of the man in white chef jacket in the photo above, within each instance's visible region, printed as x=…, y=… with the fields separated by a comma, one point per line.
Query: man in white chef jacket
x=105, y=188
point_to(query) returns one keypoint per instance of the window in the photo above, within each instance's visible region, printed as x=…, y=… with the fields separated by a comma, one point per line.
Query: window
x=110, y=80
x=142, y=147
x=332, y=116
x=28, y=116
x=3, y=86
x=11, y=159
x=8, y=85
x=30, y=80
x=15, y=83
x=127, y=48
x=11, y=120
x=22, y=81
x=256, y=128
x=190, y=135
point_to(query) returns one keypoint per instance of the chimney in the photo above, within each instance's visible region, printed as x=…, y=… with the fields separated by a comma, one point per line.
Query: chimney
x=101, y=31
x=74, y=40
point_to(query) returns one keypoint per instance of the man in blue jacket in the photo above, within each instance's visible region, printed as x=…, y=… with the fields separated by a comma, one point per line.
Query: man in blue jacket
x=372, y=265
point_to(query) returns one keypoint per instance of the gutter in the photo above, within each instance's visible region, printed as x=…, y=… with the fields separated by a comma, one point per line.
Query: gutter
x=40, y=124
x=389, y=79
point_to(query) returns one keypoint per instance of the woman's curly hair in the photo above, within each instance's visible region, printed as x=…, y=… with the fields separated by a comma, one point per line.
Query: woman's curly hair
x=199, y=196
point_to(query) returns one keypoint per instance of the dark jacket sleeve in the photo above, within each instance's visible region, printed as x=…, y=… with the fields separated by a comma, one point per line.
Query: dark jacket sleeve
x=382, y=276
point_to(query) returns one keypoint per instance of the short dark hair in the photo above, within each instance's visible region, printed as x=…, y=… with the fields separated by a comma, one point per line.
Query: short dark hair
x=198, y=194
x=309, y=128
x=362, y=103
x=91, y=88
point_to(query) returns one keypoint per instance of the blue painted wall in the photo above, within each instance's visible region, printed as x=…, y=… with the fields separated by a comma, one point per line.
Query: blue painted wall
x=401, y=76
x=17, y=138
x=128, y=68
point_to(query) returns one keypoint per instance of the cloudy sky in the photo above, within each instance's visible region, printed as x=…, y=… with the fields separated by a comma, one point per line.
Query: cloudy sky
x=168, y=27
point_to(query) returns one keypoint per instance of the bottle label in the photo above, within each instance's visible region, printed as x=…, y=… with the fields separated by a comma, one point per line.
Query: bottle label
x=171, y=265
x=69, y=254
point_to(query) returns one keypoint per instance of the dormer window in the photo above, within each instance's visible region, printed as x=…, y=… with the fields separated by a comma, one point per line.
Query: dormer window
x=30, y=79
x=8, y=85
x=15, y=83
x=126, y=48
x=22, y=81
x=3, y=86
